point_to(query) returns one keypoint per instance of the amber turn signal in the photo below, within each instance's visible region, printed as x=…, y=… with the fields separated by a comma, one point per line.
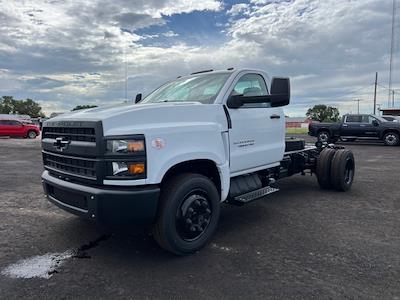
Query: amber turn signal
x=135, y=146
x=136, y=168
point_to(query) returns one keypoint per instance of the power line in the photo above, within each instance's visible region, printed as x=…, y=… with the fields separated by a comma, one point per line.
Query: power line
x=355, y=91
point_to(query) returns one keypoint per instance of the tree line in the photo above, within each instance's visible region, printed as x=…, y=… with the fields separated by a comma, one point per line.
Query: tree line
x=9, y=105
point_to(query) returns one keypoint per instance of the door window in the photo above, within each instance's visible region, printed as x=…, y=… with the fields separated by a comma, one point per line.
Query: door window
x=353, y=119
x=251, y=85
x=13, y=123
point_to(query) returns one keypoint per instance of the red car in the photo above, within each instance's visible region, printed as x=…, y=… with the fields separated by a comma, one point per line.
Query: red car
x=17, y=128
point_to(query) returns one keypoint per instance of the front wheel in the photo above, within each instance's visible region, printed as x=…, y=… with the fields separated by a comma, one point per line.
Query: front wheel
x=188, y=214
x=31, y=134
x=391, y=139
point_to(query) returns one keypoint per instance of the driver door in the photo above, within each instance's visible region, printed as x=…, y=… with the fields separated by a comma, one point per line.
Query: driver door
x=257, y=136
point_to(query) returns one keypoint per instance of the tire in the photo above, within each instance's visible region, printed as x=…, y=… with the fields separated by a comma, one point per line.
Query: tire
x=342, y=170
x=324, y=136
x=31, y=134
x=173, y=231
x=323, y=169
x=391, y=139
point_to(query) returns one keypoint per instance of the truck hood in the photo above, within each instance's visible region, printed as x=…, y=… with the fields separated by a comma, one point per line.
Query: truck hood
x=138, y=118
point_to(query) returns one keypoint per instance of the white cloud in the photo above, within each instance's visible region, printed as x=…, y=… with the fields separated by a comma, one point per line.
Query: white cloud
x=239, y=8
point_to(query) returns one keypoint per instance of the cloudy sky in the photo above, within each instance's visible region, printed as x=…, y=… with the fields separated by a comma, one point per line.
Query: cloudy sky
x=65, y=53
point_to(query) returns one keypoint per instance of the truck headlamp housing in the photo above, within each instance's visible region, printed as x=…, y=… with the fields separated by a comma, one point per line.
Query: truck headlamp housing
x=125, y=157
x=121, y=168
x=120, y=146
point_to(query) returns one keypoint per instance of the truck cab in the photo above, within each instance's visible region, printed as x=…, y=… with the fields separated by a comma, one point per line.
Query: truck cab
x=171, y=159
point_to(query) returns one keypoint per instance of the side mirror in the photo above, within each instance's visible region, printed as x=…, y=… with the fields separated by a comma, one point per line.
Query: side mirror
x=375, y=123
x=280, y=90
x=138, y=98
x=235, y=101
x=279, y=96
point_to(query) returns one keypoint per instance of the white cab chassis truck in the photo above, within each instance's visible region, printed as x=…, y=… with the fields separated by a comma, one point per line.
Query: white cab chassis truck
x=171, y=159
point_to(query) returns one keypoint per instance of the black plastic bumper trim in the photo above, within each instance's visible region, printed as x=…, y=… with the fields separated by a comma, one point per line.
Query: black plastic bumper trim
x=107, y=205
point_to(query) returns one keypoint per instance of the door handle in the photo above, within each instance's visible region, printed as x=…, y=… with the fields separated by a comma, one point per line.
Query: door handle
x=275, y=117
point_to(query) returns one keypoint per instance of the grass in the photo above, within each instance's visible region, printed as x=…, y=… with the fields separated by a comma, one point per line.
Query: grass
x=296, y=130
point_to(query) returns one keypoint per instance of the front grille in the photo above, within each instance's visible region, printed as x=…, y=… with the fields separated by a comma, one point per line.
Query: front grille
x=83, y=134
x=82, y=167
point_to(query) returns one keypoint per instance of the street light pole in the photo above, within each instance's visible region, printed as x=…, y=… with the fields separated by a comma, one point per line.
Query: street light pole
x=376, y=83
x=358, y=105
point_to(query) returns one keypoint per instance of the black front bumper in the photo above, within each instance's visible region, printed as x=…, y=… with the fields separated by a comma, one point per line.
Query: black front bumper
x=111, y=205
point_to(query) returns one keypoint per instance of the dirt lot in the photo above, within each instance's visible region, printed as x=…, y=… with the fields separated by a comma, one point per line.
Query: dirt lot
x=299, y=243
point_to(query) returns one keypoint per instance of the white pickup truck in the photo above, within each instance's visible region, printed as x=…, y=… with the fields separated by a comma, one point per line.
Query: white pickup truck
x=171, y=159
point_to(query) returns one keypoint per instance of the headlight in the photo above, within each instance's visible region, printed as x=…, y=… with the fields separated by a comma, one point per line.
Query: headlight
x=127, y=168
x=125, y=146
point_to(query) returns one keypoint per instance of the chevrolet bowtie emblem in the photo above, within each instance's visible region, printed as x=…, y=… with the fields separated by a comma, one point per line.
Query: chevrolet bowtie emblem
x=61, y=143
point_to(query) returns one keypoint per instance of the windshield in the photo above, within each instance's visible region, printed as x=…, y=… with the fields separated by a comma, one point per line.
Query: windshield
x=203, y=88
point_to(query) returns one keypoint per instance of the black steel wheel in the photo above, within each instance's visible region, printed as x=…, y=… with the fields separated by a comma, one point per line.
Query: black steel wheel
x=342, y=170
x=193, y=216
x=188, y=213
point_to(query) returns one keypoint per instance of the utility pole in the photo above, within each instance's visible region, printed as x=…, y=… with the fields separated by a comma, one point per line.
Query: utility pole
x=376, y=83
x=392, y=49
x=358, y=105
x=392, y=98
x=126, y=77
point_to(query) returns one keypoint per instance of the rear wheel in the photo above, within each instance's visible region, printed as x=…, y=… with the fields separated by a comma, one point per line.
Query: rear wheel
x=323, y=169
x=342, y=170
x=391, y=139
x=31, y=134
x=188, y=214
x=324, y=136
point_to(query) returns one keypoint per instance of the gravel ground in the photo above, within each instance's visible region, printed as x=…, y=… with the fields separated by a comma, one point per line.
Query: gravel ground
x=302, y=242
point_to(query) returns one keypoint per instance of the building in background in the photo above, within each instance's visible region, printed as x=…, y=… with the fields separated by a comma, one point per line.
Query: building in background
x=392, y=111
x=298, y=122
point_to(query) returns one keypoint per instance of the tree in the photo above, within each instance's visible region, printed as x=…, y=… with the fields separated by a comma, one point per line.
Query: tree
x=78, y=107
x=323, y=113
x=8, y=105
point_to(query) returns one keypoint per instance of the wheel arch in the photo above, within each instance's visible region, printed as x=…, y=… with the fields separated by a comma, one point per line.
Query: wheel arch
x=395, y=130
x=324, y=129
x=204, y=167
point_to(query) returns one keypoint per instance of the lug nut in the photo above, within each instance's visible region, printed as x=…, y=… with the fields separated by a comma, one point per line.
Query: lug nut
x=188, y=221
x=192, y=228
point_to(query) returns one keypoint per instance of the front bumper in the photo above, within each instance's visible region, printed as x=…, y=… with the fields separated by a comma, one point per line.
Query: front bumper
x=114, y=206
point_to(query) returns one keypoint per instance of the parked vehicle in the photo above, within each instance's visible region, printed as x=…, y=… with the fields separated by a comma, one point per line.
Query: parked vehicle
x=172, y=159
x=360, y=126
x=392, y=118
x=18, y=128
